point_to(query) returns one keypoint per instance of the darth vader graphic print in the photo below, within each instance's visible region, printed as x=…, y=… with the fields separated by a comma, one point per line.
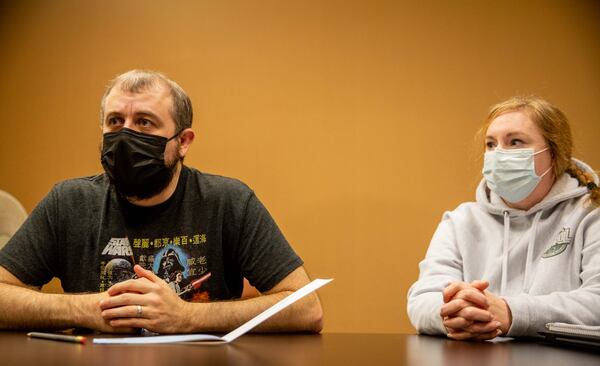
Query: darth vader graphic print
x=180, y=261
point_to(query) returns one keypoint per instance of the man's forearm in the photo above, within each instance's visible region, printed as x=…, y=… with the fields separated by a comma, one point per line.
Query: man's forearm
x=303, y=316
x=24, y=308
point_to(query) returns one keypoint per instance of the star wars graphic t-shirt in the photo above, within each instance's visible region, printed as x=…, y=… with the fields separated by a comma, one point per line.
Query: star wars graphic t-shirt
x=210, y=234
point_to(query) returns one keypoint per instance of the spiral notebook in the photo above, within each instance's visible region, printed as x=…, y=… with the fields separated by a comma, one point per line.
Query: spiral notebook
x=574, y=334
x=229, y=337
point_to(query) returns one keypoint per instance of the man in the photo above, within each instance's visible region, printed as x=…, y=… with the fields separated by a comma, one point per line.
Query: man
x=116, y=239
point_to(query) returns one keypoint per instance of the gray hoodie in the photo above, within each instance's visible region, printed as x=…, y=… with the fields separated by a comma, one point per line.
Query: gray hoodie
x=545, y=262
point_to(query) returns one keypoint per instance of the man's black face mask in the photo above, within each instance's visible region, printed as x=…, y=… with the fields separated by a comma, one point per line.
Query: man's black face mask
x=135, y=162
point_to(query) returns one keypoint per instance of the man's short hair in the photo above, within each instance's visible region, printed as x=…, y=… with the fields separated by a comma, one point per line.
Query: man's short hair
x=137, y=81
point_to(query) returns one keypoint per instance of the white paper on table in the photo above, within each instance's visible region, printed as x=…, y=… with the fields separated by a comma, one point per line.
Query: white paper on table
x=229, y=337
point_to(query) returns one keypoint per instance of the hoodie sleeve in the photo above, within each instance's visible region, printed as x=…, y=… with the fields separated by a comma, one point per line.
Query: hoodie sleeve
x=441, y=266
x=579, y=306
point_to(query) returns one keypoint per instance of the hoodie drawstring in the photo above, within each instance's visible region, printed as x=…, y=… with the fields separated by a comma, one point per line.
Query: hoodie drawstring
x=533, y=234
x=505, y=244
x=505, y=253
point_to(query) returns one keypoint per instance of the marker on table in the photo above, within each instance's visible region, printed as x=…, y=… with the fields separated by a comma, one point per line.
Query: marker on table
x=58, y=337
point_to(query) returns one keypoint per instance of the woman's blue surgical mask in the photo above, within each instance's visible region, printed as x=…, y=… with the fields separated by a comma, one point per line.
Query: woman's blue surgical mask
x=511, y=173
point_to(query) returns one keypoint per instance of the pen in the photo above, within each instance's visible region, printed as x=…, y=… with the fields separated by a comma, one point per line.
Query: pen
x=58, y=337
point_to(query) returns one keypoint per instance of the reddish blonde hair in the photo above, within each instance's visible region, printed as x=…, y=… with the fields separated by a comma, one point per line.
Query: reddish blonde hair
x=555, y=129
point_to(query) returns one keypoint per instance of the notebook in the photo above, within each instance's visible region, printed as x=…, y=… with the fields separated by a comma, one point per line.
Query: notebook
x=575, y=334
x=230, y=337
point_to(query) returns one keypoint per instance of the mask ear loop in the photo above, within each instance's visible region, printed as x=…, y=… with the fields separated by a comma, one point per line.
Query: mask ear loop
x=176, y=134
x=546, y=172
x=550, y=168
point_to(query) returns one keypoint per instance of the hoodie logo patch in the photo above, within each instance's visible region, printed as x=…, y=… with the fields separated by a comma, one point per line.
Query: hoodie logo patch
x=561, y=243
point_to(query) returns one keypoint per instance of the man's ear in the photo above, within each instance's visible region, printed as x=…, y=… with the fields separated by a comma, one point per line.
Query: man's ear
x=186, y=137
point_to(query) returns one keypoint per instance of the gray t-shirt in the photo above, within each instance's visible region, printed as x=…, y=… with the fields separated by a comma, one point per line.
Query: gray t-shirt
x=203, y=240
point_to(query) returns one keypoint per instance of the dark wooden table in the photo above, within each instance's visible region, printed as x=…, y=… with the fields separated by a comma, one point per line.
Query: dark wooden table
x=289, y=349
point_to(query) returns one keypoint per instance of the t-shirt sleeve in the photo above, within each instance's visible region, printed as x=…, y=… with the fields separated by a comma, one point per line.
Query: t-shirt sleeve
x=265, y=256
x=30, y=255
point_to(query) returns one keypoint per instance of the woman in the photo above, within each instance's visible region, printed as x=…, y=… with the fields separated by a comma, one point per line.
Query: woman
x=527, y=252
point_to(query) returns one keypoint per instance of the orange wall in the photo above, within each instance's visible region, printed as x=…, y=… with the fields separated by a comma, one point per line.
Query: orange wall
x=352, y=120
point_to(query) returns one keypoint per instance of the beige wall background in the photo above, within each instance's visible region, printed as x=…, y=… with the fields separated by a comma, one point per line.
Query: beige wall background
x=352, y=120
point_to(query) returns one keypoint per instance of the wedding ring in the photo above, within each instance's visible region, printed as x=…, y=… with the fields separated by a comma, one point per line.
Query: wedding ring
x=139, y=310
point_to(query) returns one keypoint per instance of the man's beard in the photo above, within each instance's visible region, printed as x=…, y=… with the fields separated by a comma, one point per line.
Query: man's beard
x=157, y=185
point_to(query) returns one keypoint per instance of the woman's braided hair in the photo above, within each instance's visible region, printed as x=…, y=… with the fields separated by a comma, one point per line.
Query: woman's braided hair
x=556, y=131
x=585, y=179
